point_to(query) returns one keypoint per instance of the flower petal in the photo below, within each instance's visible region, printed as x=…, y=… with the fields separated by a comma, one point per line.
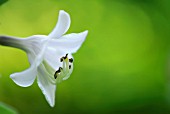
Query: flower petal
x=35, y=47
x=47, y=85
x=25, y=78
x=52, y=56
x=69, y=43
x=62, y=25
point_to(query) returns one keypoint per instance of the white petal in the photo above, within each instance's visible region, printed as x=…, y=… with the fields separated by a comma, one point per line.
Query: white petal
x=35, y=50
x=25, y=78
x=52, y=56
x=46, y=85
x=69, y=43
x=62, y=25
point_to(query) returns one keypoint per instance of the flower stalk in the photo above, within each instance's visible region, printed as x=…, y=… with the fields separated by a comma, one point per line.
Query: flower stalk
x=12, y=42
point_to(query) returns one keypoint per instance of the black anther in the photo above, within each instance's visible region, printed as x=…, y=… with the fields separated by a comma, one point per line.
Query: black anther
x=61, y=59
x=58, y=71
x=69, y=66
x=65, y=56
x=71, y=60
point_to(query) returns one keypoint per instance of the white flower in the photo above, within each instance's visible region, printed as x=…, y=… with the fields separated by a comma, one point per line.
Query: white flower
x=49, y=56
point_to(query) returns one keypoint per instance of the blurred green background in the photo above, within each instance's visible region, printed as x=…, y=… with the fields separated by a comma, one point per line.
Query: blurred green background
x=122, y=68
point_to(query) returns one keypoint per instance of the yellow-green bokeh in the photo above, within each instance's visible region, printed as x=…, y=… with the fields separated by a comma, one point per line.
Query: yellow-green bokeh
x=122, y=67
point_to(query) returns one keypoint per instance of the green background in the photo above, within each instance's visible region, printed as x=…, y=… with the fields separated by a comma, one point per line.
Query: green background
x=123, y=66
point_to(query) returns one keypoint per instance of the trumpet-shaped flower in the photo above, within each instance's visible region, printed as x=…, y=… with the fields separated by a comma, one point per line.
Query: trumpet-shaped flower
x=50, y=56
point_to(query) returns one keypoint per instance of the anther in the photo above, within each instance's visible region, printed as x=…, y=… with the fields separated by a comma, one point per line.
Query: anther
x=71, y=60
x=56, y=73
x=65, y=56
x=61, y=59
x=69, y=66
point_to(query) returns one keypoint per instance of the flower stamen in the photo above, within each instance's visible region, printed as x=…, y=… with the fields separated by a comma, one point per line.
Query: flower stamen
x=71, y=60
x=66, y=69
x=69, y=66
x=65, y=56
x=57, y=72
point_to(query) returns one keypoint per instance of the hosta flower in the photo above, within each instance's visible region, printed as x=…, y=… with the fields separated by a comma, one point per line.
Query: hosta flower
x=50, y=56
